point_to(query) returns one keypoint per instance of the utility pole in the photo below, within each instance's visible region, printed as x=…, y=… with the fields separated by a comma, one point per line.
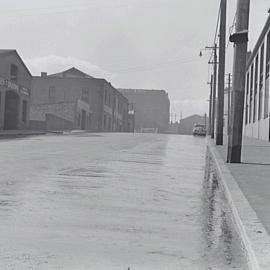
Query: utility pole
x=214, y=93
x=240, y=39
x=210, y=106
x=221, y=72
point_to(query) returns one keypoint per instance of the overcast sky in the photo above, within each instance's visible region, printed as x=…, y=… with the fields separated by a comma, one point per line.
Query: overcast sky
x=152, y=44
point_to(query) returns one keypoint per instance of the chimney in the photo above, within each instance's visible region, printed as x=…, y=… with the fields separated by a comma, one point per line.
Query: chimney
x=43, y=74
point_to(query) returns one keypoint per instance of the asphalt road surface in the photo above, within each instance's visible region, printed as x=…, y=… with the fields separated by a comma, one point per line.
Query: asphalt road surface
x=112, y=201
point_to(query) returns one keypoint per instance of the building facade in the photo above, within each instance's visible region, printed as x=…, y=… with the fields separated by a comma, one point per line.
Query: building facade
x=256, y=110
x=15, y=91
x=75, y=100
x=187, y=124
x=151, y=107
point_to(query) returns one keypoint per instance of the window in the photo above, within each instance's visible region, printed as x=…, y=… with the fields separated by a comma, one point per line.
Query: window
x=266, y=93
x=105, y=97
x=261, y=82
x=104, y=122
x=255, y=88
x=13, y=73
x=247, y=88
x=85, y=94
x=251, y=92
x=52, y=93
x=24, y=111
x=110, y=123
x=109, y=99
x=79, y=120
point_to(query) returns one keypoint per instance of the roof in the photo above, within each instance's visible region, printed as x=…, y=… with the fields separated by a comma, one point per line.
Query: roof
x=193, y=116
x=140, y=90
x=71, y=73
x=4, y=52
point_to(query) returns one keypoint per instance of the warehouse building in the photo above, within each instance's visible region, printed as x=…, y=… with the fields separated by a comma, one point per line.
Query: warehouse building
x=151, y=108
x=75, y=100
x=256, y=112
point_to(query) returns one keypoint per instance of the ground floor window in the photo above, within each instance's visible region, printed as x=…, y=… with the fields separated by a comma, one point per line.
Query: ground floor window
x=89, y=121
x=246, y=116
x=104, y=122
x=266, y=98
x=79, y=119
x=260, y=104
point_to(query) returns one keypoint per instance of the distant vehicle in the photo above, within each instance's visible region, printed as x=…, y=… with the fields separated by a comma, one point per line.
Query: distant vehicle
x=199, y=129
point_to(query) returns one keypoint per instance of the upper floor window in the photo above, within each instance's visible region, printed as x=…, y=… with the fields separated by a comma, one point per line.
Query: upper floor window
x=105, y=97
x=85, y=94
x=247, y=84
x=261, y=66
x=267, y=57
x=109, y=100
x=13, y=73
x=256, y=74
x=251, y=81
x=52, y=94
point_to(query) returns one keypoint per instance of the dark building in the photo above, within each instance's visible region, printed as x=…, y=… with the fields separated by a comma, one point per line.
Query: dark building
x=15, y=85
x=74, y=100
x=152, y=108
x=187, y=124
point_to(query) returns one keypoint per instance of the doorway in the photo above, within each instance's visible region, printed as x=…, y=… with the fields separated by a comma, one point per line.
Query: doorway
x=11, y=114
x=83, y=123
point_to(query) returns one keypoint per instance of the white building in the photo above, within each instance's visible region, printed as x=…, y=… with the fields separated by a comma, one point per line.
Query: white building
x=256, y=112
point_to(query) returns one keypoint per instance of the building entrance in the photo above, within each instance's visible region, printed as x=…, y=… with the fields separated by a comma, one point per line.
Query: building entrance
x=11, y=110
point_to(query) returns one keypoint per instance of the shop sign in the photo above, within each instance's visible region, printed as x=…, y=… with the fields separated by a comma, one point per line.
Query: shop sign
x=14, y=86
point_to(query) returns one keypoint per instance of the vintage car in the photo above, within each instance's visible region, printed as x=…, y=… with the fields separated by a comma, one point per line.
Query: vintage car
x=199, y=129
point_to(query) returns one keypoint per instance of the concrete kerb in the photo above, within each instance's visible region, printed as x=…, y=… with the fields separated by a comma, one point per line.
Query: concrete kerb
x=253, y=234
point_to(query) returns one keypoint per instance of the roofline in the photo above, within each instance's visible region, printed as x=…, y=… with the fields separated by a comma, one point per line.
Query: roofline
x=142, y=90
x=259, y=42
x=65, y=78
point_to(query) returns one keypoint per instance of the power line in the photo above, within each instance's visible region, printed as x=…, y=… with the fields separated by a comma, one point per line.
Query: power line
x=216, y=31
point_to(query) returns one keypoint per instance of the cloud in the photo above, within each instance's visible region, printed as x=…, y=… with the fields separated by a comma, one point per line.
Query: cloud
x=54, y=63
x=189, y=106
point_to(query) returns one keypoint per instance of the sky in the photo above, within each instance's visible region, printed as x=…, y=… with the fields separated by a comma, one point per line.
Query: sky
x=150, y=44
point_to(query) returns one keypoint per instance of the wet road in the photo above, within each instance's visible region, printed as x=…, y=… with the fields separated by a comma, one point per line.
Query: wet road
x=112, y=201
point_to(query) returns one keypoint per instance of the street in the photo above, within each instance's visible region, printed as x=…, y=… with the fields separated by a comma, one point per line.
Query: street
x=112, y=201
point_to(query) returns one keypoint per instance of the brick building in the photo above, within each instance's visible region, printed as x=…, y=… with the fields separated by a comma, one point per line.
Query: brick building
x=15, y=85
x=152, y=108
x=75, y=100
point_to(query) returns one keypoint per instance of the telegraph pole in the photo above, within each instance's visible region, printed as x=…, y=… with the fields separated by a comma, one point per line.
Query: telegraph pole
x=210, y=106
x=221, y=72
x=240, y=39
x=214, y=93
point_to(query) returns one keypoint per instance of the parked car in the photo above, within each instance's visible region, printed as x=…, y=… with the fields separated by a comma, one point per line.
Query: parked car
x=199, y=129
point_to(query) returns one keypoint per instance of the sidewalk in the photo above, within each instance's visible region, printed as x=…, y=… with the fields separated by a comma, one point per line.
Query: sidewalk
x=253, y=176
